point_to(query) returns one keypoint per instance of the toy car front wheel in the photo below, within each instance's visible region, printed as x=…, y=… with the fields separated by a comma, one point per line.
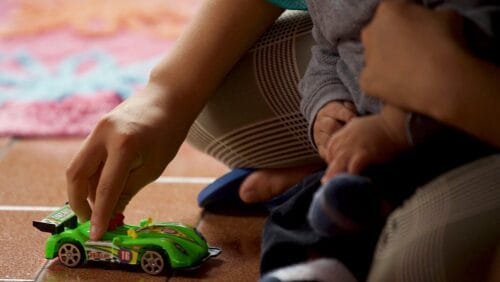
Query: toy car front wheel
x=153, y=262
x=70, y=254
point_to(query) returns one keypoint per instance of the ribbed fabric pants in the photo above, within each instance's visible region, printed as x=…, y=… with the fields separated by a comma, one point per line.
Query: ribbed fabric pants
x=254, y=118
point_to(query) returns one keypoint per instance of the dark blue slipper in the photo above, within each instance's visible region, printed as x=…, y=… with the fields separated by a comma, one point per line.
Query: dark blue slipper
x=223, y=193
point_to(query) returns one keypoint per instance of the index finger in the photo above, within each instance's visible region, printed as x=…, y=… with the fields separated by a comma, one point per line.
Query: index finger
x=113, y=178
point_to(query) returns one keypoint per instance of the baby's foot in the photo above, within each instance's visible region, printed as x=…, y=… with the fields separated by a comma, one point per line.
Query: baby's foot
x=265, y=184
x=366, y=141
x=344, y=205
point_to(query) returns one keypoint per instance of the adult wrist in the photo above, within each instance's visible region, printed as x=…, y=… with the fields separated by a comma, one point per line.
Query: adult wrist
x=171, y=104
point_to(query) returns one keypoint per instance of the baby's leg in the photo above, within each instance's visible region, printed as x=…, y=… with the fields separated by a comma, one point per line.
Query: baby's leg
x=254, y=119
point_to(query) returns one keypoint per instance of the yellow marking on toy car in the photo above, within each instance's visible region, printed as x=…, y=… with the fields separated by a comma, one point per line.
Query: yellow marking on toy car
x=131, y=233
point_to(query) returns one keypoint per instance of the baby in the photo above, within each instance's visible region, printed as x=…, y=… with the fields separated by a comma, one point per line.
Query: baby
x=349, y=129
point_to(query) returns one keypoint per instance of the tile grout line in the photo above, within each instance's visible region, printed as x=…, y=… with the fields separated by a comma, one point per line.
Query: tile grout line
x=161, y=180
x=27, y=208
x=42, y=269
x=184, y=180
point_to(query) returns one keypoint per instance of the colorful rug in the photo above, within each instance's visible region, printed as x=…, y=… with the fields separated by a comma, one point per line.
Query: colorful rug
x=65, y=63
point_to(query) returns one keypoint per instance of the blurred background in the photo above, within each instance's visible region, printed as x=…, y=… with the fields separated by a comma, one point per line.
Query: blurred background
x=63, y=63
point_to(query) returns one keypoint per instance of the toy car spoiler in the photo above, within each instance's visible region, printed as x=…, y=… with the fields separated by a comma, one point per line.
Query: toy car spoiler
x=56, y=221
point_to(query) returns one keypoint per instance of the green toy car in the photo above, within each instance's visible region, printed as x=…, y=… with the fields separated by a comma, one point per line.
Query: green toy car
x=157, y=248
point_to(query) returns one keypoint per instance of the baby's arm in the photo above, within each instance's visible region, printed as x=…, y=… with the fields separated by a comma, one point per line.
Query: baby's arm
x=321, y=87
x=367, y=140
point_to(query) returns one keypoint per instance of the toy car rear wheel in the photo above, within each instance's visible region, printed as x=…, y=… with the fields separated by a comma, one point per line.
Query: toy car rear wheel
x=70, y=254
x=153, y=262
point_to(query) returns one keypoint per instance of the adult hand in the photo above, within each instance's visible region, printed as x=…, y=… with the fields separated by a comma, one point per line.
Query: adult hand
x=329, y=120
x=408, y=49
x=128, y=148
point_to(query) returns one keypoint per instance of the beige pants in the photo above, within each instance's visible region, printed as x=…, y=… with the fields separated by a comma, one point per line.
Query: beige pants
x=254, y=119
x=448, y=231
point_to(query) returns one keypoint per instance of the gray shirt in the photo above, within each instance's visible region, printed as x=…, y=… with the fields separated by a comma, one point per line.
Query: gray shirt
x=337, y=57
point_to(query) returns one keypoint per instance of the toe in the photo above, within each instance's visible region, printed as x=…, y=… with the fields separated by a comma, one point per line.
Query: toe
x=265, y=184
x=255, y=188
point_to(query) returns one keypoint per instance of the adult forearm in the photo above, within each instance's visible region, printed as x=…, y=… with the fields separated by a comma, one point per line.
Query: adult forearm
x=220, y=33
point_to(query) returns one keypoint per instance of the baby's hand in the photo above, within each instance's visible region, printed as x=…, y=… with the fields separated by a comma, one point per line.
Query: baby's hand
x=329, y=120
x=364, y=141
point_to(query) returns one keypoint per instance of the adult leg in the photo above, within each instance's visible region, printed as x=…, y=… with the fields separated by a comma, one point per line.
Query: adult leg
x=254, y=119
x=448, y=231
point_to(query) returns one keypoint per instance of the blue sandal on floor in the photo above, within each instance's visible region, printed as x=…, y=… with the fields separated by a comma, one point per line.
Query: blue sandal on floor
x=223, y=193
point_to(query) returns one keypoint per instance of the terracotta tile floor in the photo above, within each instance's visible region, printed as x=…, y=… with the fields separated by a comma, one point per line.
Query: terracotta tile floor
x=32, y=177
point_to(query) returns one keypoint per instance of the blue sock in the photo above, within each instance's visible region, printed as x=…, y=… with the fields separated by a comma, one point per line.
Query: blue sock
x=345, y=204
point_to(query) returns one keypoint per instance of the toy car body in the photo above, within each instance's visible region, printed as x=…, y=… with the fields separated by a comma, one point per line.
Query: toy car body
x=155, y=247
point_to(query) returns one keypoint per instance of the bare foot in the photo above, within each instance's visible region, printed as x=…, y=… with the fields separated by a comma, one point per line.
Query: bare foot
x=264, y=184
